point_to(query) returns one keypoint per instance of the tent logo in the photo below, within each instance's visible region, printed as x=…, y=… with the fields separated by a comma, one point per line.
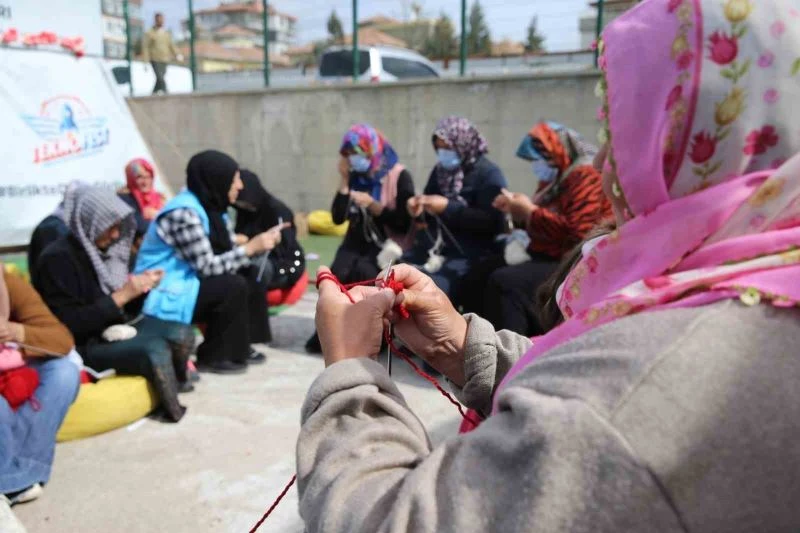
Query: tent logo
x=67, y=130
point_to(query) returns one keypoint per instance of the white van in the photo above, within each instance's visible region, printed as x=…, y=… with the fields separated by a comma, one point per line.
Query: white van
x=377, y=64
x=178, y=78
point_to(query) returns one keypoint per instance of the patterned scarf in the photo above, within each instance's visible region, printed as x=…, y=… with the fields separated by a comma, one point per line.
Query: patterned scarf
x=468, y=143
x=152, y=198
x=367, y=141
x=701, y=117
x=90, y=211
x=563, y=148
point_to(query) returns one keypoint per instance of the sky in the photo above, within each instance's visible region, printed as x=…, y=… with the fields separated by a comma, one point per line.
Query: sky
x=558, y=19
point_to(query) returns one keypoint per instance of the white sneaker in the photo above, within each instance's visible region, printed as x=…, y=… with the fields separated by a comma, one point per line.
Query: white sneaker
x=9, y=523
x=28, y=495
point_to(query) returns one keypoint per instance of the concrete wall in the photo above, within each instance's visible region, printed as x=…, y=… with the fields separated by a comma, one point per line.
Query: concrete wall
x=290, y=138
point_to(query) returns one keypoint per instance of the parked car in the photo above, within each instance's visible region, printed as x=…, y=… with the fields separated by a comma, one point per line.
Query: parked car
x=377, y=64
x=178, y=78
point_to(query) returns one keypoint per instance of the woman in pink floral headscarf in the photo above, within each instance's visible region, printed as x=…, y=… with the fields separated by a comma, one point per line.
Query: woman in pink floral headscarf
x=668, y=399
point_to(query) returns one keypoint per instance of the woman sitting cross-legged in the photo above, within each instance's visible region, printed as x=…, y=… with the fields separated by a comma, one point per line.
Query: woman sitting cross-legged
x=84, y=278
x=208, y=278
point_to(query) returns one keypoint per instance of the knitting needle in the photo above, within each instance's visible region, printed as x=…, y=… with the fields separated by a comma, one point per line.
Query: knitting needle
x=391, y=326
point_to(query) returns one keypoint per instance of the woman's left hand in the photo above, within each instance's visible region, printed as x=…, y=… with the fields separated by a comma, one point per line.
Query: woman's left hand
x=361, y=199
x=241, y=240
x=435, y=204
x=351, y=330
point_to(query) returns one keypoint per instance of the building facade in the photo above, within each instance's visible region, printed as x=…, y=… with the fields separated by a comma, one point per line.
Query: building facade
x=114, y=35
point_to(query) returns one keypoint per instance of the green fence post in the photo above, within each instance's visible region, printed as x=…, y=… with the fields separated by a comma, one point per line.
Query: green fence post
x=265, y=21
x=192, y=58
x=356, y=55
x=600, y=4
x=128, y=44
x=463, y=60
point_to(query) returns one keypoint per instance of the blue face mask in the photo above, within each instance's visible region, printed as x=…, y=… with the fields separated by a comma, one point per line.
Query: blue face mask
x=359, y=163
x=543, y=171
x=448, y=158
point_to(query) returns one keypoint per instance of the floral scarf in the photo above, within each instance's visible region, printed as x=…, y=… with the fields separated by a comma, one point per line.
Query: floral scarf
x=143, y=199
x=701, y=116
x=367, y=141
x=470, y=145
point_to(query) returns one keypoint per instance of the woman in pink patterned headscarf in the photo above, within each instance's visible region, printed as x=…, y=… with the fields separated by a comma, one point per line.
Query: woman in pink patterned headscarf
x=668, y=399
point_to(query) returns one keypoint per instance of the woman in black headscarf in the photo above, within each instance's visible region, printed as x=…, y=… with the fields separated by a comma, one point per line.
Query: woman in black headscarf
x=207, y=274
x=258, y=211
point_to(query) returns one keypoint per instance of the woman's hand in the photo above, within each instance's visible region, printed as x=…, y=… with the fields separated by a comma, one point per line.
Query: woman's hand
x=240, y=239
x=11, y=331
x=137, y=285
x=347, y=330
x=149, y=213
x=520, y=206
x=414, y=206
x=361, y=199
x=435, y=331
x=435, y=204
x=266, y=241
x=503, y=202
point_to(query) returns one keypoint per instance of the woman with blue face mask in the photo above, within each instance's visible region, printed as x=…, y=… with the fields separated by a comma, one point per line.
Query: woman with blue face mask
x=372, y=196
x=456, y=207
x=568, y=203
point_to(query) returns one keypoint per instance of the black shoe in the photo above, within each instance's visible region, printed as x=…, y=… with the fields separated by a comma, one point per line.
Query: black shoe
x=313, y=345
x=256, y=358
x=222, y=367
x=185, y=386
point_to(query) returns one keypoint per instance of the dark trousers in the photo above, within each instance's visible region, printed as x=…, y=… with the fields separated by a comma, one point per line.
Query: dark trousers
x=160, y=70
x=450, y=278
x=233, y=308
x=158, y=352
x=509, y=296
x=356, y=263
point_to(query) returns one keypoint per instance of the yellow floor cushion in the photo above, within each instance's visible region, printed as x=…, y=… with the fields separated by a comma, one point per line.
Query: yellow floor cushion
x=321, y=223
x=109, y=404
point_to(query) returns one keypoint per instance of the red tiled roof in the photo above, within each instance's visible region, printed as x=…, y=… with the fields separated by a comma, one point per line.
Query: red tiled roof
x=212, y=50
x=254, y=6
x=373, y=37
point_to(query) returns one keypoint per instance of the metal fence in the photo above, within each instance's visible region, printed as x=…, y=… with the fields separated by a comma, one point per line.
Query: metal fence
x=468, y=58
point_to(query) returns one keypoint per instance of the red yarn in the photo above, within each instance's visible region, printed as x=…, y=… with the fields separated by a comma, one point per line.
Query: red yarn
x=274, y=505
x=397, y=286
x=18, y=385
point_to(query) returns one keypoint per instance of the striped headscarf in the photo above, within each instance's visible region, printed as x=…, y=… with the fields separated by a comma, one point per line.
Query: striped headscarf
x=562, y=147
x=369, y=142
x=89, y=211
x=470, y=146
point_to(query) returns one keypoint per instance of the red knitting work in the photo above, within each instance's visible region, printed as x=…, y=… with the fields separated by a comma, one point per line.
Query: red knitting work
x=397, y=287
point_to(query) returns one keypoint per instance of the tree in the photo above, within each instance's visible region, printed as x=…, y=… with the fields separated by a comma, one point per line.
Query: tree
x=442, y=44
x=479, y=40
x=535, y=40
x=335, y=28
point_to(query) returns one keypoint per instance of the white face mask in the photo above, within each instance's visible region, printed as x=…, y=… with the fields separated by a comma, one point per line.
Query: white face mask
x=359, y=163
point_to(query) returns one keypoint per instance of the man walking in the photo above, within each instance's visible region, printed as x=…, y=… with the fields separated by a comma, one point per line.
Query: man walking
x=159, y=49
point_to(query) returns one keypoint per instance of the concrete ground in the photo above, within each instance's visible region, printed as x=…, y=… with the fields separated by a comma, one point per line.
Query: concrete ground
x=218, y=469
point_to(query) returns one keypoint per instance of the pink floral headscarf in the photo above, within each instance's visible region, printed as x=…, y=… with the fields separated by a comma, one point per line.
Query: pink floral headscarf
x=704, y=128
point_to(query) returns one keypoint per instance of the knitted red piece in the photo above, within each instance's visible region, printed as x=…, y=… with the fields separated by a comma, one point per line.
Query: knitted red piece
x=18, y=385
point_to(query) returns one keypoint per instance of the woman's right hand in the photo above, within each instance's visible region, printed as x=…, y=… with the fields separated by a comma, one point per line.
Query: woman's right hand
x=435, y=331
x=415, y=206
x=266, y=241
x=137, y=285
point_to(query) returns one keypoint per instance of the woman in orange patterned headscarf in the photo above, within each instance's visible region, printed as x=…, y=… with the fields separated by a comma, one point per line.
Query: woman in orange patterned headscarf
x=568, y=203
